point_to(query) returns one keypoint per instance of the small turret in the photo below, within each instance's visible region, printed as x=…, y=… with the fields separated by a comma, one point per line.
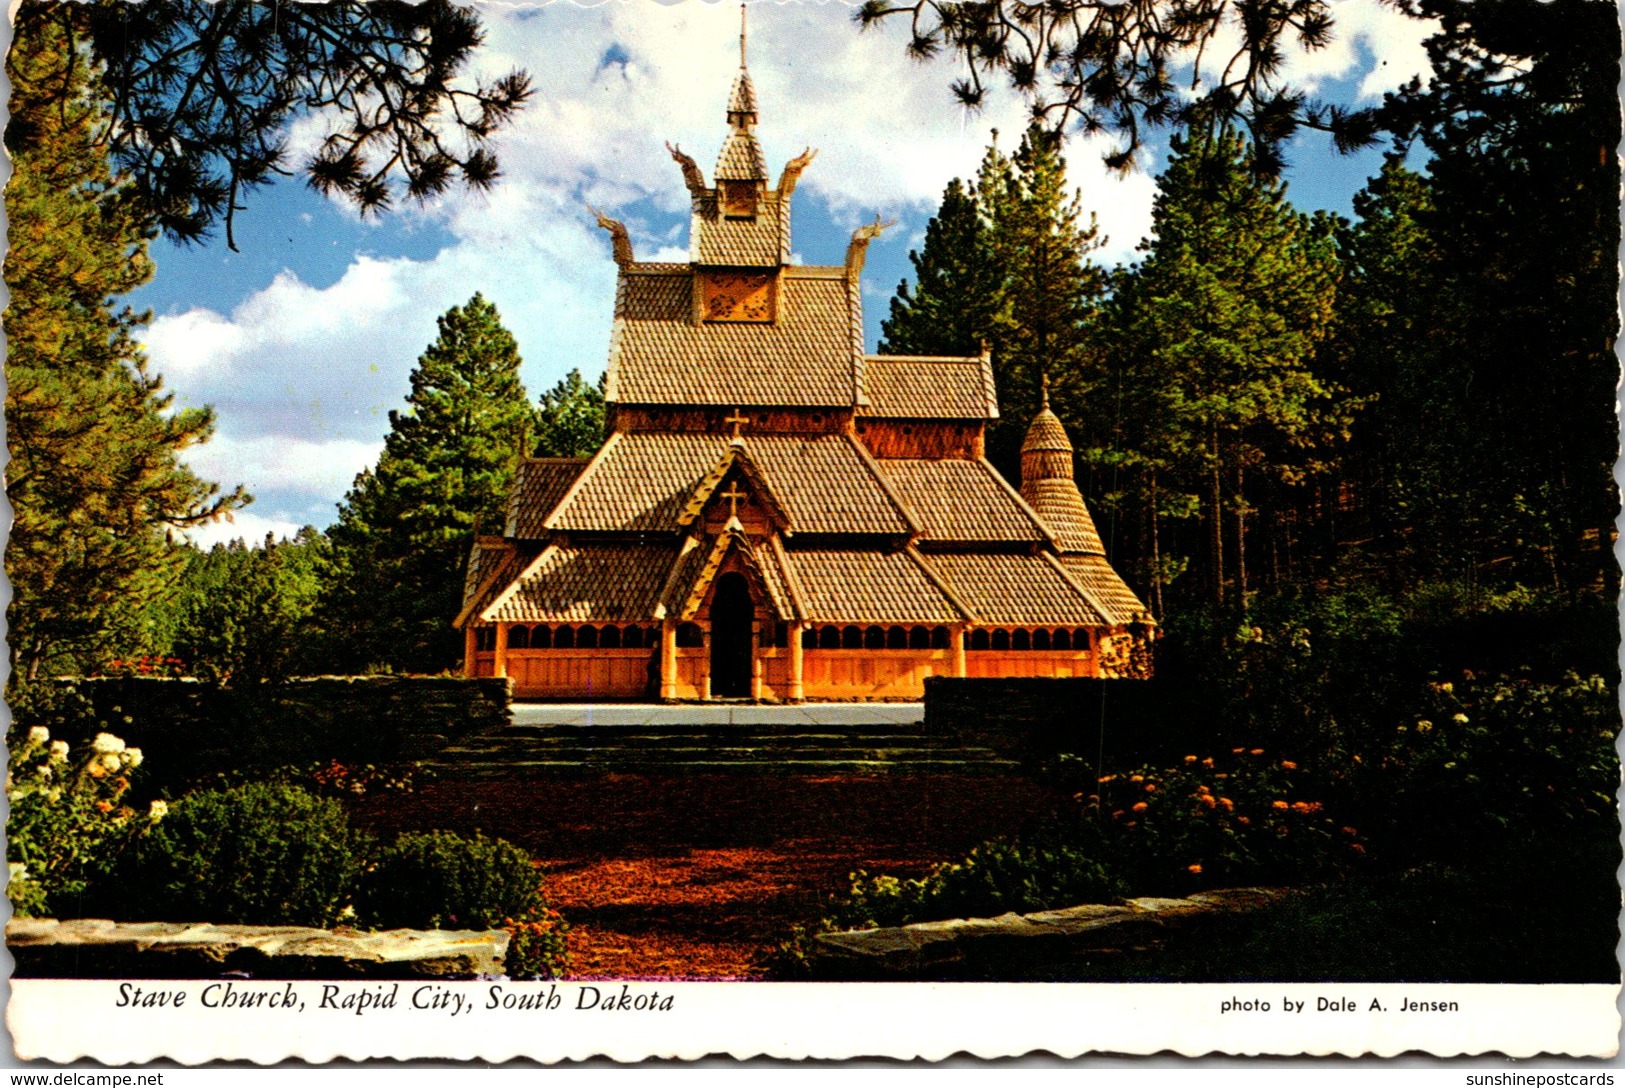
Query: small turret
x=1048, y=484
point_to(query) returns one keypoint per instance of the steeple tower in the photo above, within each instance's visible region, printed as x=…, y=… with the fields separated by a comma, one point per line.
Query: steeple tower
x=741, y=159
x=1048, y=486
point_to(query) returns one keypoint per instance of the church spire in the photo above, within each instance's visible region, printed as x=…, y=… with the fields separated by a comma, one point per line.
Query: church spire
x=741, y=158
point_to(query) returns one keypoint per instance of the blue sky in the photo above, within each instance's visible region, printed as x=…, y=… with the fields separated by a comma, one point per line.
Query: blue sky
x=304, y=340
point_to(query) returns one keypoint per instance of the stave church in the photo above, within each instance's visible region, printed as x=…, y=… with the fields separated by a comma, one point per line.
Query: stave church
x=777, y=515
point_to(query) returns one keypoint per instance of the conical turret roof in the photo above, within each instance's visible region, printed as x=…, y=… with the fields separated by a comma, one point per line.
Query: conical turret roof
x=1048, y=485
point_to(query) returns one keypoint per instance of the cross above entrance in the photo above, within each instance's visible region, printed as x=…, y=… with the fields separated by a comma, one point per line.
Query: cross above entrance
x=738, y=420
x=733, y=495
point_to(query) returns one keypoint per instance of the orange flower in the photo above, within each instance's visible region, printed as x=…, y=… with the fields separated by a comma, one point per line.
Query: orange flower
x=1229, y=805
x=104, y=806
x=1287, y=764
x=1150, y=787
x=1136, y=778
x=1237, y=751
x=1356, y=847
x=1256, y=752
x=1196, y=869
x=1203, y=789
x=1243, y=820
x=1300, y=806
x=1207, y=799
x=1208, y=762
x=1278, y=804
x=1349, y=831
x=1139, y=806
x=1190, y=759
x=1108, y=778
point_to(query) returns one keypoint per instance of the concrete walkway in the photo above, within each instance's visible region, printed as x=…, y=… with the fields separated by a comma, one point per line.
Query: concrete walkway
x=828, y=714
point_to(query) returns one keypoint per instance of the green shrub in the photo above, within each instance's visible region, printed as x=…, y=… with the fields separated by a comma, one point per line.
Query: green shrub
x=440, y=879
x=259, y=854
x=993, y=879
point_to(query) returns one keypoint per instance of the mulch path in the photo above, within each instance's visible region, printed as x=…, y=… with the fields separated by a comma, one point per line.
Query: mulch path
x=702, y=876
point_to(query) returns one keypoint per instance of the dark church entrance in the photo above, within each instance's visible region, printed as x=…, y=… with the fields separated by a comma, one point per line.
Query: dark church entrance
x=731, y=635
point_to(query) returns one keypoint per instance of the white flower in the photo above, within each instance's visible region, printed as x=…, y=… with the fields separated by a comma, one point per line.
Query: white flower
x=157, y=811
x=37, y=736
x=111, y=762
x=1460, y=719
x=133, y=757
x=59, y=751
x=54, y=794
x=17, y=871
x=107, y=743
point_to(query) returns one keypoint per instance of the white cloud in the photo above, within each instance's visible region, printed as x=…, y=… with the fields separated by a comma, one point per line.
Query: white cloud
x=303, y=377
x=245, y=525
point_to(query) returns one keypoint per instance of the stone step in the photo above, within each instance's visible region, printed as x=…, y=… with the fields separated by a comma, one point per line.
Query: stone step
x=648, y=742
x=713, y=754
x=544, y=768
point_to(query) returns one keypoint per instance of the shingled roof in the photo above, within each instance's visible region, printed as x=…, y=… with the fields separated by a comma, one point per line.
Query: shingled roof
x=838, y=585
x=640, y=482
x=658, y=354
x=1109, y=591
x=580, y=582
x=538, y=486
x=962, y=501
x=1014, y=589
x=929, y=387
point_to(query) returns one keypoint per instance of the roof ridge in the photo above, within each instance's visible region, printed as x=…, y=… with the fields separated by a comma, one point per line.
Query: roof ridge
x=1026, y=507
x=1087, y=594
x=915, y=526
x=575, y=487
x=935, y=577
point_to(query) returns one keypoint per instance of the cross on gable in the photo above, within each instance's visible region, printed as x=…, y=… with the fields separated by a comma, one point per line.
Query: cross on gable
x=738, y=420
x=733, y=495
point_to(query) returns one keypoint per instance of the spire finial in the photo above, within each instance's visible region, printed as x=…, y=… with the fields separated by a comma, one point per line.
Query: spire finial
x=741, y=34
x=1043, y=385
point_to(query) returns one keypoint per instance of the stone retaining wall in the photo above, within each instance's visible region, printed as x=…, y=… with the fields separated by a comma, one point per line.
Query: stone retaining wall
x=187, y=728
x=97, y=948
x=1020, y=947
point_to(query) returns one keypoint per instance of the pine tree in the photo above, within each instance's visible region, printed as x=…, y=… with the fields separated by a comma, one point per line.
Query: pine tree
x=95, y=478
x=405, y=528
x=1006, y=264
x=1216, y=400
x=570, y=418
x=958, y=286
x=1051, y=289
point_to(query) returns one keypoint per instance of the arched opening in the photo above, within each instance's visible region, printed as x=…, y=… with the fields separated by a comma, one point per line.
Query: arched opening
x=587, y=638
x=851, y=639
x=1080, y=638
x=633, y=638
x=939, y=638
x=1063, y=639
x=919, y=639
x=541, y=637
x=829, y=638
x=519, y=637
x=874, y=638
x=1001, y=639
x=1021, y=640
x=732, y=627
x=1040, y=639
x=978, y=640
x=610, y=638
x=485, y=639
x=896, y=639
x=565, y=638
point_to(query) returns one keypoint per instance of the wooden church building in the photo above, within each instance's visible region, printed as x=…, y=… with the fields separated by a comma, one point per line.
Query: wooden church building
x=777, y=515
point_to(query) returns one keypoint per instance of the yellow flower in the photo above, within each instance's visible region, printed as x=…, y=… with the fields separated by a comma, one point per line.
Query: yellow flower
x=157, y=811
x=17, y=870
x=1136, y=778
x=1278, y=804
x=1190, y=759
x=1424, y=727
x=1459, y=719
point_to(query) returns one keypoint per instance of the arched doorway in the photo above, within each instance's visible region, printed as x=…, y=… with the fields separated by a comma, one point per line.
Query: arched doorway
x=731, y=633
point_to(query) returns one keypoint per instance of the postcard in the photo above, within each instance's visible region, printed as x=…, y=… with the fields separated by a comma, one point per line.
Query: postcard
x=812, y=531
